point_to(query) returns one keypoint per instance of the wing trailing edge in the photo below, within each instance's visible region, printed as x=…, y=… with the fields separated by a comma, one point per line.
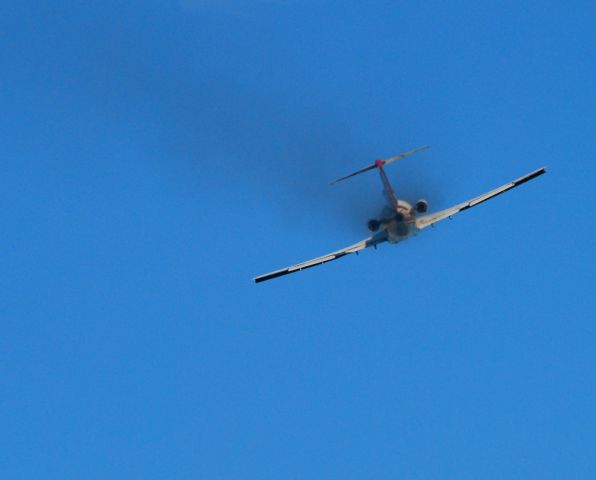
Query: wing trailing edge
x=427, y=220
x=367, y=242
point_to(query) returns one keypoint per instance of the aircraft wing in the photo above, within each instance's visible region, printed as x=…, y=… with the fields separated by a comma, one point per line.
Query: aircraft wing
x=367, y=242
x=427, y=220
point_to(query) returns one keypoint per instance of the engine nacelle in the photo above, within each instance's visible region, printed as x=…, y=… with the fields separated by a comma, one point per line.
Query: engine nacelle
x=421, y=206
x=373, y=225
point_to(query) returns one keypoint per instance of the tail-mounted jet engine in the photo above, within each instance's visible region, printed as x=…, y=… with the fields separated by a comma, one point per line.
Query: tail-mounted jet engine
x=373, y=225
x=421, y=206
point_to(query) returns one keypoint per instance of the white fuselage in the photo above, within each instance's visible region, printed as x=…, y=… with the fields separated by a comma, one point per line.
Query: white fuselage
x=399, y=224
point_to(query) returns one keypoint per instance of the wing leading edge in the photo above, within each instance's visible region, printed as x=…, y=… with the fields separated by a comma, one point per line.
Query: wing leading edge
x=427, y=220
x=367, y=242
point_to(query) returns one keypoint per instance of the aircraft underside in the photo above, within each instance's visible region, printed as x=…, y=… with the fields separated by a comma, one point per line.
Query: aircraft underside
x=398, y=231
x=399, y=225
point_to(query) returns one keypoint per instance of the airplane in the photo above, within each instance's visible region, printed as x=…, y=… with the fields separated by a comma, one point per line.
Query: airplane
x=399, y=220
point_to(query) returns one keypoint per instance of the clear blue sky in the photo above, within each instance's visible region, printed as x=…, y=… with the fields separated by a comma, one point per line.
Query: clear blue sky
x=158, y=155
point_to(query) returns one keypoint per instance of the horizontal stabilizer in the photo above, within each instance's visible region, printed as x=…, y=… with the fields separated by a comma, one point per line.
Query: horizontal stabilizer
x=381, y=163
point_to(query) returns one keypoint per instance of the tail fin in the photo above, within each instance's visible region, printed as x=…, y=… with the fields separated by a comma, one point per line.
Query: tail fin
x=381, y=163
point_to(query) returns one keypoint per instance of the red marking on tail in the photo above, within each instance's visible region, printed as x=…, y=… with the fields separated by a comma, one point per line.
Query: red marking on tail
x=379, y=163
